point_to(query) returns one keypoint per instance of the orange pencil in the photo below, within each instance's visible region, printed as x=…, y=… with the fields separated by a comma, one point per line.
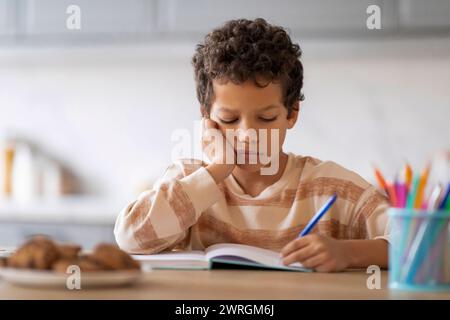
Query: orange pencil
x=408, y=175
x=421, y=187
x=380, y=179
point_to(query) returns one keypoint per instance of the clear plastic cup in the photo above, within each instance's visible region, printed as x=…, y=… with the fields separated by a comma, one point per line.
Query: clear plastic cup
x=419, y=251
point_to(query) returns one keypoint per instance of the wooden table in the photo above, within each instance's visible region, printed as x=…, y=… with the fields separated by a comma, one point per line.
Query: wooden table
x=231, y=284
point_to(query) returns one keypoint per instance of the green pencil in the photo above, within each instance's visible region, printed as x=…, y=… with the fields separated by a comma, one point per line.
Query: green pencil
x=412, y=193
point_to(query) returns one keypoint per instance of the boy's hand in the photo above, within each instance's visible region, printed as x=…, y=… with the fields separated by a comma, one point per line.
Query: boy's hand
x=317, y=252
x=220, y=153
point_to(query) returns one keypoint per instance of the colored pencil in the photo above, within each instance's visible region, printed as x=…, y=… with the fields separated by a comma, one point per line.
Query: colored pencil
x=408, y=175
x=412, y=193
x=434, y=200
x=392, y=194
x=445, y=203
x=381, y=181
x=421, y=187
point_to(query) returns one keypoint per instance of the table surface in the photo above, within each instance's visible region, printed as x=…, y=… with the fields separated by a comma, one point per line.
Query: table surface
x=231, y=284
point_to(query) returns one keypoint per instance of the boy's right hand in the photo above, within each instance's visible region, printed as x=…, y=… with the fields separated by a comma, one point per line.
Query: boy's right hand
x=218, y=149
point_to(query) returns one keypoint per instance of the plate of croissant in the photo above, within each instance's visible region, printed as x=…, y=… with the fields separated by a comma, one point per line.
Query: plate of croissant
x=40, y=261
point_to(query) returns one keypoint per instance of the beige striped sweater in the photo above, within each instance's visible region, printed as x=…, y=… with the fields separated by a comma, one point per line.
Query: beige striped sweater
x=186, y=209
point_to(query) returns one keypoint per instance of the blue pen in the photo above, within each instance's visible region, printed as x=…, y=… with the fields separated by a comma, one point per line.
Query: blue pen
x=317, y=216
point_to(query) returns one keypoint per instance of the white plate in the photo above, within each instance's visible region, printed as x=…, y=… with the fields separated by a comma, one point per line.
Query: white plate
x=41, y=278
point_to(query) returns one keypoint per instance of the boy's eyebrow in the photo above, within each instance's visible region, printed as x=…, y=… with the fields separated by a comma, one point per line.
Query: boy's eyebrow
x=272, y=106
x=225, y=109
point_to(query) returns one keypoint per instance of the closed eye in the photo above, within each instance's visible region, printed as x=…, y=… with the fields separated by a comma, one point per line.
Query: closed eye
x=268, y=119
x=227, y=121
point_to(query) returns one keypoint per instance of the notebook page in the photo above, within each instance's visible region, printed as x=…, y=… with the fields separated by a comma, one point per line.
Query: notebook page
x=172, y=256
x=174, y=260
x=260, y=255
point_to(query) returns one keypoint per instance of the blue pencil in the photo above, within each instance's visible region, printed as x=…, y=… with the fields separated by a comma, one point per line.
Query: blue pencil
x=319, y=214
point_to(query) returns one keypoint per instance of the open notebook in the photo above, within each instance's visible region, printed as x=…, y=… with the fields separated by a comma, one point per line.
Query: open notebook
x=219, y=256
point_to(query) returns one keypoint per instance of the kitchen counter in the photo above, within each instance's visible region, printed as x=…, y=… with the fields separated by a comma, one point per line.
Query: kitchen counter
x=232, y=284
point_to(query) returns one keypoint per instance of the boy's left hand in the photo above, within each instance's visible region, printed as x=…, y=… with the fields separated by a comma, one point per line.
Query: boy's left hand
x=324, y=254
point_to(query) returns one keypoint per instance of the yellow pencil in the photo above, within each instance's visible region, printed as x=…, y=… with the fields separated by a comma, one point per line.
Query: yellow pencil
x=421, y=187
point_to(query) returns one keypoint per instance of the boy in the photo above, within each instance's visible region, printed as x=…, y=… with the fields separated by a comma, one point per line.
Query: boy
x=249, y=79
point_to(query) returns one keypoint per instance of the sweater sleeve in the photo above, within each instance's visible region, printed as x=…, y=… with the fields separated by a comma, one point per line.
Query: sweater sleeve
x=371, y=214
x=160, y=218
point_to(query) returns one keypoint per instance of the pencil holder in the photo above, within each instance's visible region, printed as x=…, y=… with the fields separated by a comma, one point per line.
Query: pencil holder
x=419, y=251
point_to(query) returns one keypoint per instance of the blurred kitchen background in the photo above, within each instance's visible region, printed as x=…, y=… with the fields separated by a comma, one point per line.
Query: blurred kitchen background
x=86, y=116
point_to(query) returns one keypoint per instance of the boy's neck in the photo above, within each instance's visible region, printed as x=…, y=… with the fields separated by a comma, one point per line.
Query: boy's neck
x=253, y=183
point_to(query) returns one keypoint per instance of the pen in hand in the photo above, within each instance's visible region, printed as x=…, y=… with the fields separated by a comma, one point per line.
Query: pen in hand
x=315, y=219
x=319, y=214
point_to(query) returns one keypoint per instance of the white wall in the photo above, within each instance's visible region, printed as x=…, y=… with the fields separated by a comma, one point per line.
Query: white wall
x=110, y=112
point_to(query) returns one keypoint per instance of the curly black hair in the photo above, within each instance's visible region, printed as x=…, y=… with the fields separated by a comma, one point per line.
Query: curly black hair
x=244, y=50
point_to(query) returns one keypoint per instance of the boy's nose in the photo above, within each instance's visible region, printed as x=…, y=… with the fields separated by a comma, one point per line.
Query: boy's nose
x=245, y=132
x=248, y=136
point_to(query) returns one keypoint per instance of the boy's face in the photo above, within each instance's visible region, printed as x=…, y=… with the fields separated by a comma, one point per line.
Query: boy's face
x=246, y=106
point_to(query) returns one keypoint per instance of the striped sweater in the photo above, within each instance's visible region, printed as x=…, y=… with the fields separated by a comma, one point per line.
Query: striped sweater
x=186, y=209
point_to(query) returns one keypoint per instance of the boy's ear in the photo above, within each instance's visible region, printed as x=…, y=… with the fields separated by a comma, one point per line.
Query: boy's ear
x=292, y=119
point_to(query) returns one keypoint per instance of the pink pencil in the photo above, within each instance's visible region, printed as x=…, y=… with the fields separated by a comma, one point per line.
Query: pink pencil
x=401, y=194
